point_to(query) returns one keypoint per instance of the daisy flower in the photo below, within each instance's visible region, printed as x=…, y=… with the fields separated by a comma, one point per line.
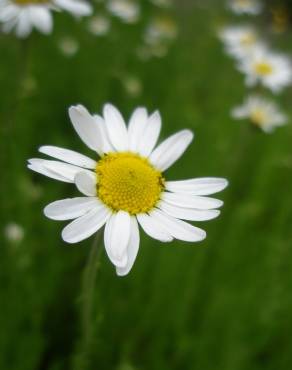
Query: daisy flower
x=160, y=30
x=68, y=46
x=14, y=232
x=126, y=186
x=252, y=7
x=24, y=15
x=99, y=25
x=272, y=70
x=239, y=41
x=127, y=10
x=262, y=112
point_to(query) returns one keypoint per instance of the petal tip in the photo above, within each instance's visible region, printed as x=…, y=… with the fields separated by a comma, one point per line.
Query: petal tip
x=203, y=236
x=67, y=238
x=121, y=273
x=225, y=183
x=46, y=212
x=78, y=108
x=108, y=107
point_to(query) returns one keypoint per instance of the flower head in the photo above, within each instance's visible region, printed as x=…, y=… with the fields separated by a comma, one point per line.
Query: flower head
x=272, y=70
x=160, y=30
x=261, y=112
x=127, y=185
x=99, y=25
x=14, y=232
x=68, y=46
x=126, y=10
x=24, y=15
x=240, y=41
x=252, y=7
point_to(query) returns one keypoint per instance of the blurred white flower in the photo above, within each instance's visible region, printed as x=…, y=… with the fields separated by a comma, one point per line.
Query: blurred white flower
x=14, y=232
x=159, y=34
x=68, y=46
x=252, y=7
x=132, y=85
x=24, y=15
x=160, y=30
x=126, y=186
x=99, y=25
x=272, y=70
x=240, y=41
x=146, y=52
x=126, y=10
x=262, y=112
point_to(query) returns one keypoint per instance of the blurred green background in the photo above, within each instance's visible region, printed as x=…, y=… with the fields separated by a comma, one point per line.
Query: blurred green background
x=223, y=304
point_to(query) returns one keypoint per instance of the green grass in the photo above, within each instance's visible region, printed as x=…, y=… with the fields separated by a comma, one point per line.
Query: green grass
x=222, y=304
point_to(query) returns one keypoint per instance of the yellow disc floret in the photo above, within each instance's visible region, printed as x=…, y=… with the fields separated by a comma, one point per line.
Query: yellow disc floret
x=263, y=68
x=258, y=117
x=248, y=39
x=128, y=182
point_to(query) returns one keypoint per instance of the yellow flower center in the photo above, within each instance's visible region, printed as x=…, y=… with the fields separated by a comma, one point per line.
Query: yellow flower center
x=30, y=2
x=128, y=182
x=258, y=117
x=263, y=68
x=243, y=3
x=248, y=39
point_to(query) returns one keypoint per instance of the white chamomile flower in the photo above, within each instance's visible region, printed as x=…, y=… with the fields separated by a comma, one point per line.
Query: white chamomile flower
x=99, y=25
x=252, y=7
x=160, y=30
x=126, y=10
x=132, y=85
x=239, y=41
x=68, y=46
x=272, y=70
x=261, y=112
x=126, y=186
x=14, y=232
x=24, y=15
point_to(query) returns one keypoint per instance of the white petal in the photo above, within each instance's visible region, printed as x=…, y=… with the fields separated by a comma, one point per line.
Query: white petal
x=171, y=149
x=153, y=228
x=116, y=128
x=67, y=209
x=106, y=145
x=178, y=229
x=132, y=249
x=199, y=186
x=24, y=26
x=150, y=135
x=239, y=112
x=54, y=169
x=44, y=171
x=188, y=214
x=85, y=182
x=41, y=18
x=84, y=226
x=68, y=156
x=86, y=127
x=9, y=25
x=75, y=7
x=8, y=12
x=136, y=127
x=191, y=201
x=116, y=238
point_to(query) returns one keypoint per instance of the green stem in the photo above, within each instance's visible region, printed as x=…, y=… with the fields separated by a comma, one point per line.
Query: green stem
x=88, y=289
